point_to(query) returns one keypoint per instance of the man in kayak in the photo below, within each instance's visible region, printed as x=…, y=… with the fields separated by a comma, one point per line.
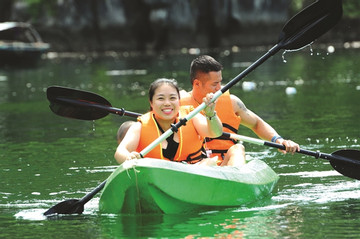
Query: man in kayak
x=206, y=77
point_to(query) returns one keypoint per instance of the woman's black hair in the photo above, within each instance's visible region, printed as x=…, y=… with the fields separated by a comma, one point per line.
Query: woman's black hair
x=159, y=82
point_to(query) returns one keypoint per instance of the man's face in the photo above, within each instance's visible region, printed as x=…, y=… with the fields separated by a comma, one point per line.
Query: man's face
x=210, y=82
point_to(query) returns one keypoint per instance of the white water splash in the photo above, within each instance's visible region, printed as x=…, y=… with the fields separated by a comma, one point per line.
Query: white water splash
x=31, y=214
x=313, y=174
x=320, y=192
x=299, y=49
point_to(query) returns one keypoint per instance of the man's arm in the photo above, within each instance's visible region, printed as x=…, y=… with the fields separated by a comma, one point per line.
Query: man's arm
x=262, y=129
x=252, y=121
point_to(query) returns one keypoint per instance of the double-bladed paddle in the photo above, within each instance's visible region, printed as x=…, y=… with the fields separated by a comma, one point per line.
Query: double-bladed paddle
x=302, y=29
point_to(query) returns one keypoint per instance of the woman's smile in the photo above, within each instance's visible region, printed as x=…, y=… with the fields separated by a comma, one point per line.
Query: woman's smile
x=167, y=111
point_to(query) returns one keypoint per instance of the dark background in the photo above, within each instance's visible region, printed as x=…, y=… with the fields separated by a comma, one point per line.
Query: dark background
x=164, y=25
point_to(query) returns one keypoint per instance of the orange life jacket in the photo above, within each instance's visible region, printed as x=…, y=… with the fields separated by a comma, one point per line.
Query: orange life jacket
x=190, y=142
x=231, y=122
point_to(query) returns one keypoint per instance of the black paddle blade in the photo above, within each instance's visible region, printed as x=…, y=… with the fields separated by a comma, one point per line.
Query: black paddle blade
x=310, y=23
x=71, y=206
x=76, y=104
x=347, y=162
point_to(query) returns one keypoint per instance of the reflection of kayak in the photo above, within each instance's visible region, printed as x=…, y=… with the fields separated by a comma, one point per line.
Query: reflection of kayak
x=160, y=186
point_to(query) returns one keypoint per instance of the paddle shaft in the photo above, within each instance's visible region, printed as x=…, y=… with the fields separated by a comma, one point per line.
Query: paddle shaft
x=252, y=67
x=90, y=195
x=316, y=154
x=101, y=107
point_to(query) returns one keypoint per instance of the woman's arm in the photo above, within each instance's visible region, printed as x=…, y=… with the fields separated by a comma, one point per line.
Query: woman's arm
x=210, y=124
x=126, y=149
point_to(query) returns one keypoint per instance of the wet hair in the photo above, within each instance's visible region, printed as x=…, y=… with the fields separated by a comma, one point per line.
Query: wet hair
x=123, y=130
x=203, y=64
x=159, y=82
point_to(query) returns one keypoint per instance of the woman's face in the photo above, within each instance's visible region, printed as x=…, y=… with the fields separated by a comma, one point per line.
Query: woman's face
x=165, y=102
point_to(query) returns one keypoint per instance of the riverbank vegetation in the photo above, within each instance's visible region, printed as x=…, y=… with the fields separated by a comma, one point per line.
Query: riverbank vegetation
x=157, y=25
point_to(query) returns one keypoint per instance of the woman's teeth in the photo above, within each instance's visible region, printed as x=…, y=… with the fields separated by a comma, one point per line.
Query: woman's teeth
x=167, y=111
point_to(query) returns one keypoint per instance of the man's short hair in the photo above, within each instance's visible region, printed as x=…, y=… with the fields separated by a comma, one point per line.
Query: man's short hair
x=203, y=64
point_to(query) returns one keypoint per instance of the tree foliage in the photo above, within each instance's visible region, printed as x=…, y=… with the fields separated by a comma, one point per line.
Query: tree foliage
x=351, y=7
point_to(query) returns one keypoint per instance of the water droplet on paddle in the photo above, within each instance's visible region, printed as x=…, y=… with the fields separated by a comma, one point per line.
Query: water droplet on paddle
x=311, y=50
x=283, y=56
x=286, y=51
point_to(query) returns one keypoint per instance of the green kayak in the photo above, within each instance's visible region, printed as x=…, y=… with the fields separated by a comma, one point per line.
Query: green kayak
x=160, y=186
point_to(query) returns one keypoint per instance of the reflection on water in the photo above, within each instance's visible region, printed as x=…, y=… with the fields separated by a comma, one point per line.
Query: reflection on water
x=46, y=159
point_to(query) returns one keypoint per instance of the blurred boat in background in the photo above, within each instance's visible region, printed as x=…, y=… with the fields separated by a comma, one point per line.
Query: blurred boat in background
x=20, y=43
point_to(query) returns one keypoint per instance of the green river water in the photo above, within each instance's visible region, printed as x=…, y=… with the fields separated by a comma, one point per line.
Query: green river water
x=45, y=158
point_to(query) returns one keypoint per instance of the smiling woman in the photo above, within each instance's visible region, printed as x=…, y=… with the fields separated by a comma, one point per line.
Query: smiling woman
x=165, y=101
x=165, y=111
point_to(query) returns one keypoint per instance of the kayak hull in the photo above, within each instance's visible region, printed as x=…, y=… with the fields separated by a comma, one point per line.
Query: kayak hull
x=160, y=186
